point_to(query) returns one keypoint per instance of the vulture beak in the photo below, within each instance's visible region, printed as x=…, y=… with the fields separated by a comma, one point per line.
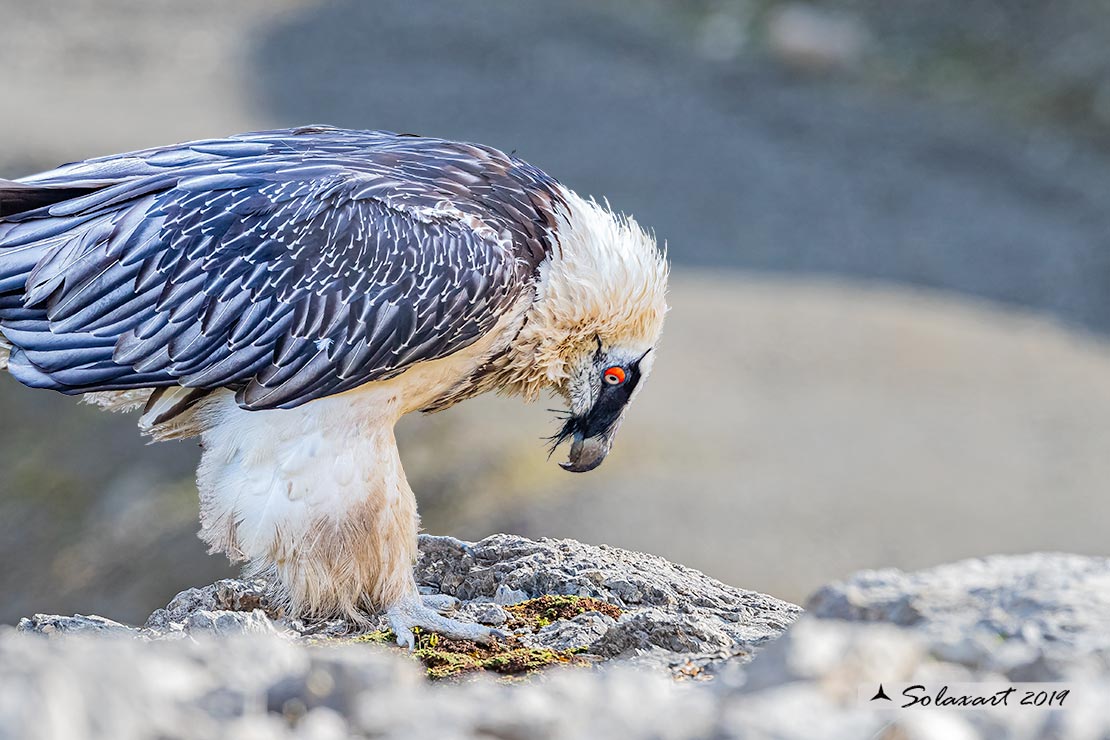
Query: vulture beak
x=586, y=453
x=592, y=432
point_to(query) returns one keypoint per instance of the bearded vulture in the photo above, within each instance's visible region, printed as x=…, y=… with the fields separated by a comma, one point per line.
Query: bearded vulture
x=288, y=295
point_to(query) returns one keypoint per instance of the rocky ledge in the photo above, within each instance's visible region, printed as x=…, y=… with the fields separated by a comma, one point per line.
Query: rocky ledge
x=563, y=602
x=644, y=647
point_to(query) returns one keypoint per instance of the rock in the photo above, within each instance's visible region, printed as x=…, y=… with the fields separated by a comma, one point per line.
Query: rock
x=567, y=634
x=249, y=674
x=506, y=596
x=805, y=684
x=225, y=623
x=47, y=624
x=670, y=615
x=1031, y=617
x=654, y=629
x=667, y=607
x=492, y=615
x=1036, y=618
x=229, y=594
x=838, y=655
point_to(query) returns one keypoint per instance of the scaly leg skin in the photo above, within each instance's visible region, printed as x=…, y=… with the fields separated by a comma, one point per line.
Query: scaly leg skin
x=441, y=603
x=411, y=611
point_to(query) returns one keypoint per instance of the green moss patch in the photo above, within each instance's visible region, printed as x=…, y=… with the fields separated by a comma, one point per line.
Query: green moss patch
x=383, y=637
x=538, y=613
x=451, y=658
x=444, y=658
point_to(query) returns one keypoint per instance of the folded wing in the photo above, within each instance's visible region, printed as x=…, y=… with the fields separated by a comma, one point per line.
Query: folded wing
x=284, y=272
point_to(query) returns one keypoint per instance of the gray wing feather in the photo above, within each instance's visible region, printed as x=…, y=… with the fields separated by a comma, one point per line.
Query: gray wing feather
x=286, y=266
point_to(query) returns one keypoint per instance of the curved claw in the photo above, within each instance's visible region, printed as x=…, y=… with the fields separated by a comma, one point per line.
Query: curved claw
x=411, y=612
x=404, y=637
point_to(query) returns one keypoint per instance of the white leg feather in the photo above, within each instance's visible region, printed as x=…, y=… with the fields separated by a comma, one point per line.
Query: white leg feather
x=314, y=497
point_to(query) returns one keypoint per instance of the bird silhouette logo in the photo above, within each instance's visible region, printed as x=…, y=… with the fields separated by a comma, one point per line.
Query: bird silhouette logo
x=880, y=694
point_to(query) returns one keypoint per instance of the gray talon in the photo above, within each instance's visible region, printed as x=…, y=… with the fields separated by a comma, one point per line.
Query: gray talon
x=405, y=638
x=412, y=612
x=441, y=603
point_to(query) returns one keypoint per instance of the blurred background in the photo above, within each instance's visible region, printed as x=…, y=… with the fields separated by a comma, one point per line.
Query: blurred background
x=889, y=222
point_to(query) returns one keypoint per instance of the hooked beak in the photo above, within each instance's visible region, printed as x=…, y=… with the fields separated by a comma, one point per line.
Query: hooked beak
x=586, y=453
x=592, y=430
x=591, y=436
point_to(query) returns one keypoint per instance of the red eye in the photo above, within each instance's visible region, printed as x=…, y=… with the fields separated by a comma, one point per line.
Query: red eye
x=614, y=375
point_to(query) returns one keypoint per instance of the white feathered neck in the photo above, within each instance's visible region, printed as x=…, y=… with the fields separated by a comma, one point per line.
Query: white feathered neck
x=606, y=279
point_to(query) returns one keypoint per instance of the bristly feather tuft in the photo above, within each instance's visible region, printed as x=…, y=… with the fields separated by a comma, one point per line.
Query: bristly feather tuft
x=570, y=425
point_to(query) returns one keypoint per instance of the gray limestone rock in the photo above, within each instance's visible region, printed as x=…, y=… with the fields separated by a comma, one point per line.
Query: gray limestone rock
x=225, y=623
x=52, y=624
x=677, y=664
x=587, y=628
x=1032, y=617
x=666, y=606
x=671, y=614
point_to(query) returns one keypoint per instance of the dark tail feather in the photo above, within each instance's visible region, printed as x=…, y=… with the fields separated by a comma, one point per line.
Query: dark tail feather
x=19, y=197
x=19, y=257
